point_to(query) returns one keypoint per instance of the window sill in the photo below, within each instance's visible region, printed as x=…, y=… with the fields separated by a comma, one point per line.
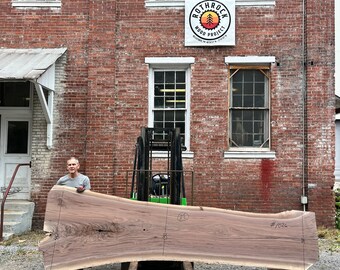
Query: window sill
x=164, y=154
x=249, y=155
x=181, y=4
x=36, y=4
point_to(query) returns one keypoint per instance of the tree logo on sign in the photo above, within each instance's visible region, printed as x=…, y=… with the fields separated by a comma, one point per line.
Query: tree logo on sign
x=210, y=20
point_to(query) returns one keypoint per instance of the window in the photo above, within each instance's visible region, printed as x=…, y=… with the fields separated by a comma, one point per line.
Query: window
x=180, y=3
x=36, y=3
x=169, y=94
x=249, y=107
x=17, y=138
x=169, y=99
x=15, y=94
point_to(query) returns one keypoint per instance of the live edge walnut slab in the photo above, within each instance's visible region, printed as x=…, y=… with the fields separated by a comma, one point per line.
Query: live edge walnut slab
x=90, y=229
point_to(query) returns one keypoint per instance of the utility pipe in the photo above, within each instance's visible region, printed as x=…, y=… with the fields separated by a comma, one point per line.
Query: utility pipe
x=304, y=101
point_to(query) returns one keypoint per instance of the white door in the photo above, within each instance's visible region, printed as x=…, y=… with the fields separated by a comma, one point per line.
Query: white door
x=15, y=138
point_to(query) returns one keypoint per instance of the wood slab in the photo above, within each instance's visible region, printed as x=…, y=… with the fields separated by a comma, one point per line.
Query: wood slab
x=90, y=229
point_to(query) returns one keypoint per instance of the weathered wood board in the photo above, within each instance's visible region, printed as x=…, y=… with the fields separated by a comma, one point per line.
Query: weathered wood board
x=89, y=229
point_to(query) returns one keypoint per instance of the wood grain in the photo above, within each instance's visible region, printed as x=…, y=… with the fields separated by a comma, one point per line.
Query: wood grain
x=90, y=229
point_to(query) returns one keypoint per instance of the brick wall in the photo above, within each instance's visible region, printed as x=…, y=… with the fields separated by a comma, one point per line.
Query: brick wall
x=103, y=99
x=241, y=184
x=320, y=108
x=46, y=166
x=54, y=28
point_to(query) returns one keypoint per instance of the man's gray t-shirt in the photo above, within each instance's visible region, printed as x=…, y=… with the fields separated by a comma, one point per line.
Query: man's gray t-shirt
x=80, y=180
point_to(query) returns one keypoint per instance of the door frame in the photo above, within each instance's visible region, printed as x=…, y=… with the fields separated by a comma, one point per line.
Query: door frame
x=8, y=162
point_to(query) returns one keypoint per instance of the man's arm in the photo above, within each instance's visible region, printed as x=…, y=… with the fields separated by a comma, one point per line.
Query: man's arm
x=86, y=185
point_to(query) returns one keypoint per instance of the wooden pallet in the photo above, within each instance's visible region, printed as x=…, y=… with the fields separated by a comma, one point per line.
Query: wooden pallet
x=90, y=229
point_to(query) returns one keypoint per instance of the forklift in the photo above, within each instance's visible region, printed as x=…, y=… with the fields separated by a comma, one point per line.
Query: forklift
x=166, y=186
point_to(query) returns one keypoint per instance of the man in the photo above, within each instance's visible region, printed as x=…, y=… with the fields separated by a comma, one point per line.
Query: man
x=74, y=178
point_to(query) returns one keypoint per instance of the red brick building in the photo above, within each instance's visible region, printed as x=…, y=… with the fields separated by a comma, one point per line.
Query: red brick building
x=257, y=116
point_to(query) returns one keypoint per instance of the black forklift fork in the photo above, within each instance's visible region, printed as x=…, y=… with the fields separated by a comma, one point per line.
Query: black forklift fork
x=142, y=168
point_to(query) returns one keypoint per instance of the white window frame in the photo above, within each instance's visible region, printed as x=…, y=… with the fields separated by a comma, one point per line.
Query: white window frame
x=180, y=3
x=36, y=3
x=170, y=63
x=244, y=152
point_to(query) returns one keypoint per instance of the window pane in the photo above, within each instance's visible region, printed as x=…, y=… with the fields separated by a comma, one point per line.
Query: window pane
x=259, y=76
x=259, y=101
x=14, y=94
x=248, y=101
x=181, y=126
x=159, y=102
x=169, y=124
x=237, y=88
x=248, y=88
x=248, y=126
x=158, y=124
x=237, y=101
x=17, y=140
x=258, y=127
x=180, y=77
x=180, y=95
x=169, y=86
x=247, y=140
x=238, y=76
x=259, y=88
x=158, y=116
x=180, y=86
x=159, y=77
x=180, y=102
x=248, y=115
x=169, y=77
x=169, y=116
x=237, y=114
x=248, y=75
x=158, y=89
x=170, y=99
x=258, y=115
x=170, y=102
x=180, y=116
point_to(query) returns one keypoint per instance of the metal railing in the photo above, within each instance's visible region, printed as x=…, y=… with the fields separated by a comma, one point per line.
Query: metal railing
x=6, y=194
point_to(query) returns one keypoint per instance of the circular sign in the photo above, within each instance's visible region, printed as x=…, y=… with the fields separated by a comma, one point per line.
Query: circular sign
x=209, y=20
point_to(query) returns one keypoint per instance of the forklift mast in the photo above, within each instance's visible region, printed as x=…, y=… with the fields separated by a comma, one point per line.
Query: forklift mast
x=158, y=139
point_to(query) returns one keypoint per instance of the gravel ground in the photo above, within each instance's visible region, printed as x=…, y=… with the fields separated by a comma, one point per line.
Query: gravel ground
x=21, y=253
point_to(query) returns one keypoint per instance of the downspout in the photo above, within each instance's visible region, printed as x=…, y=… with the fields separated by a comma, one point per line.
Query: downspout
x=304, y=198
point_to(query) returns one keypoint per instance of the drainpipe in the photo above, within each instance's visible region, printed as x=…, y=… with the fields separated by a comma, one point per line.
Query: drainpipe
x=304, y=198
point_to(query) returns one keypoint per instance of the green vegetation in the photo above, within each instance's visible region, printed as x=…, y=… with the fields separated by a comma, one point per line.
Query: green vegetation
x=337, y=206
x=329, y=239
x=30, y=238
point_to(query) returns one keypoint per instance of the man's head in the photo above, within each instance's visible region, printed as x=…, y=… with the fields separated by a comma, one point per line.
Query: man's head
x=73, y=166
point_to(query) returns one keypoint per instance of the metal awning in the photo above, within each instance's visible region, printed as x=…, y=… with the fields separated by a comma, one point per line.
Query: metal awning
x=36, y=65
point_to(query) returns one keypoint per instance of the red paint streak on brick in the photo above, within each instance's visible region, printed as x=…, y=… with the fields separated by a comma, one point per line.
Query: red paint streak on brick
x=266, y=178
